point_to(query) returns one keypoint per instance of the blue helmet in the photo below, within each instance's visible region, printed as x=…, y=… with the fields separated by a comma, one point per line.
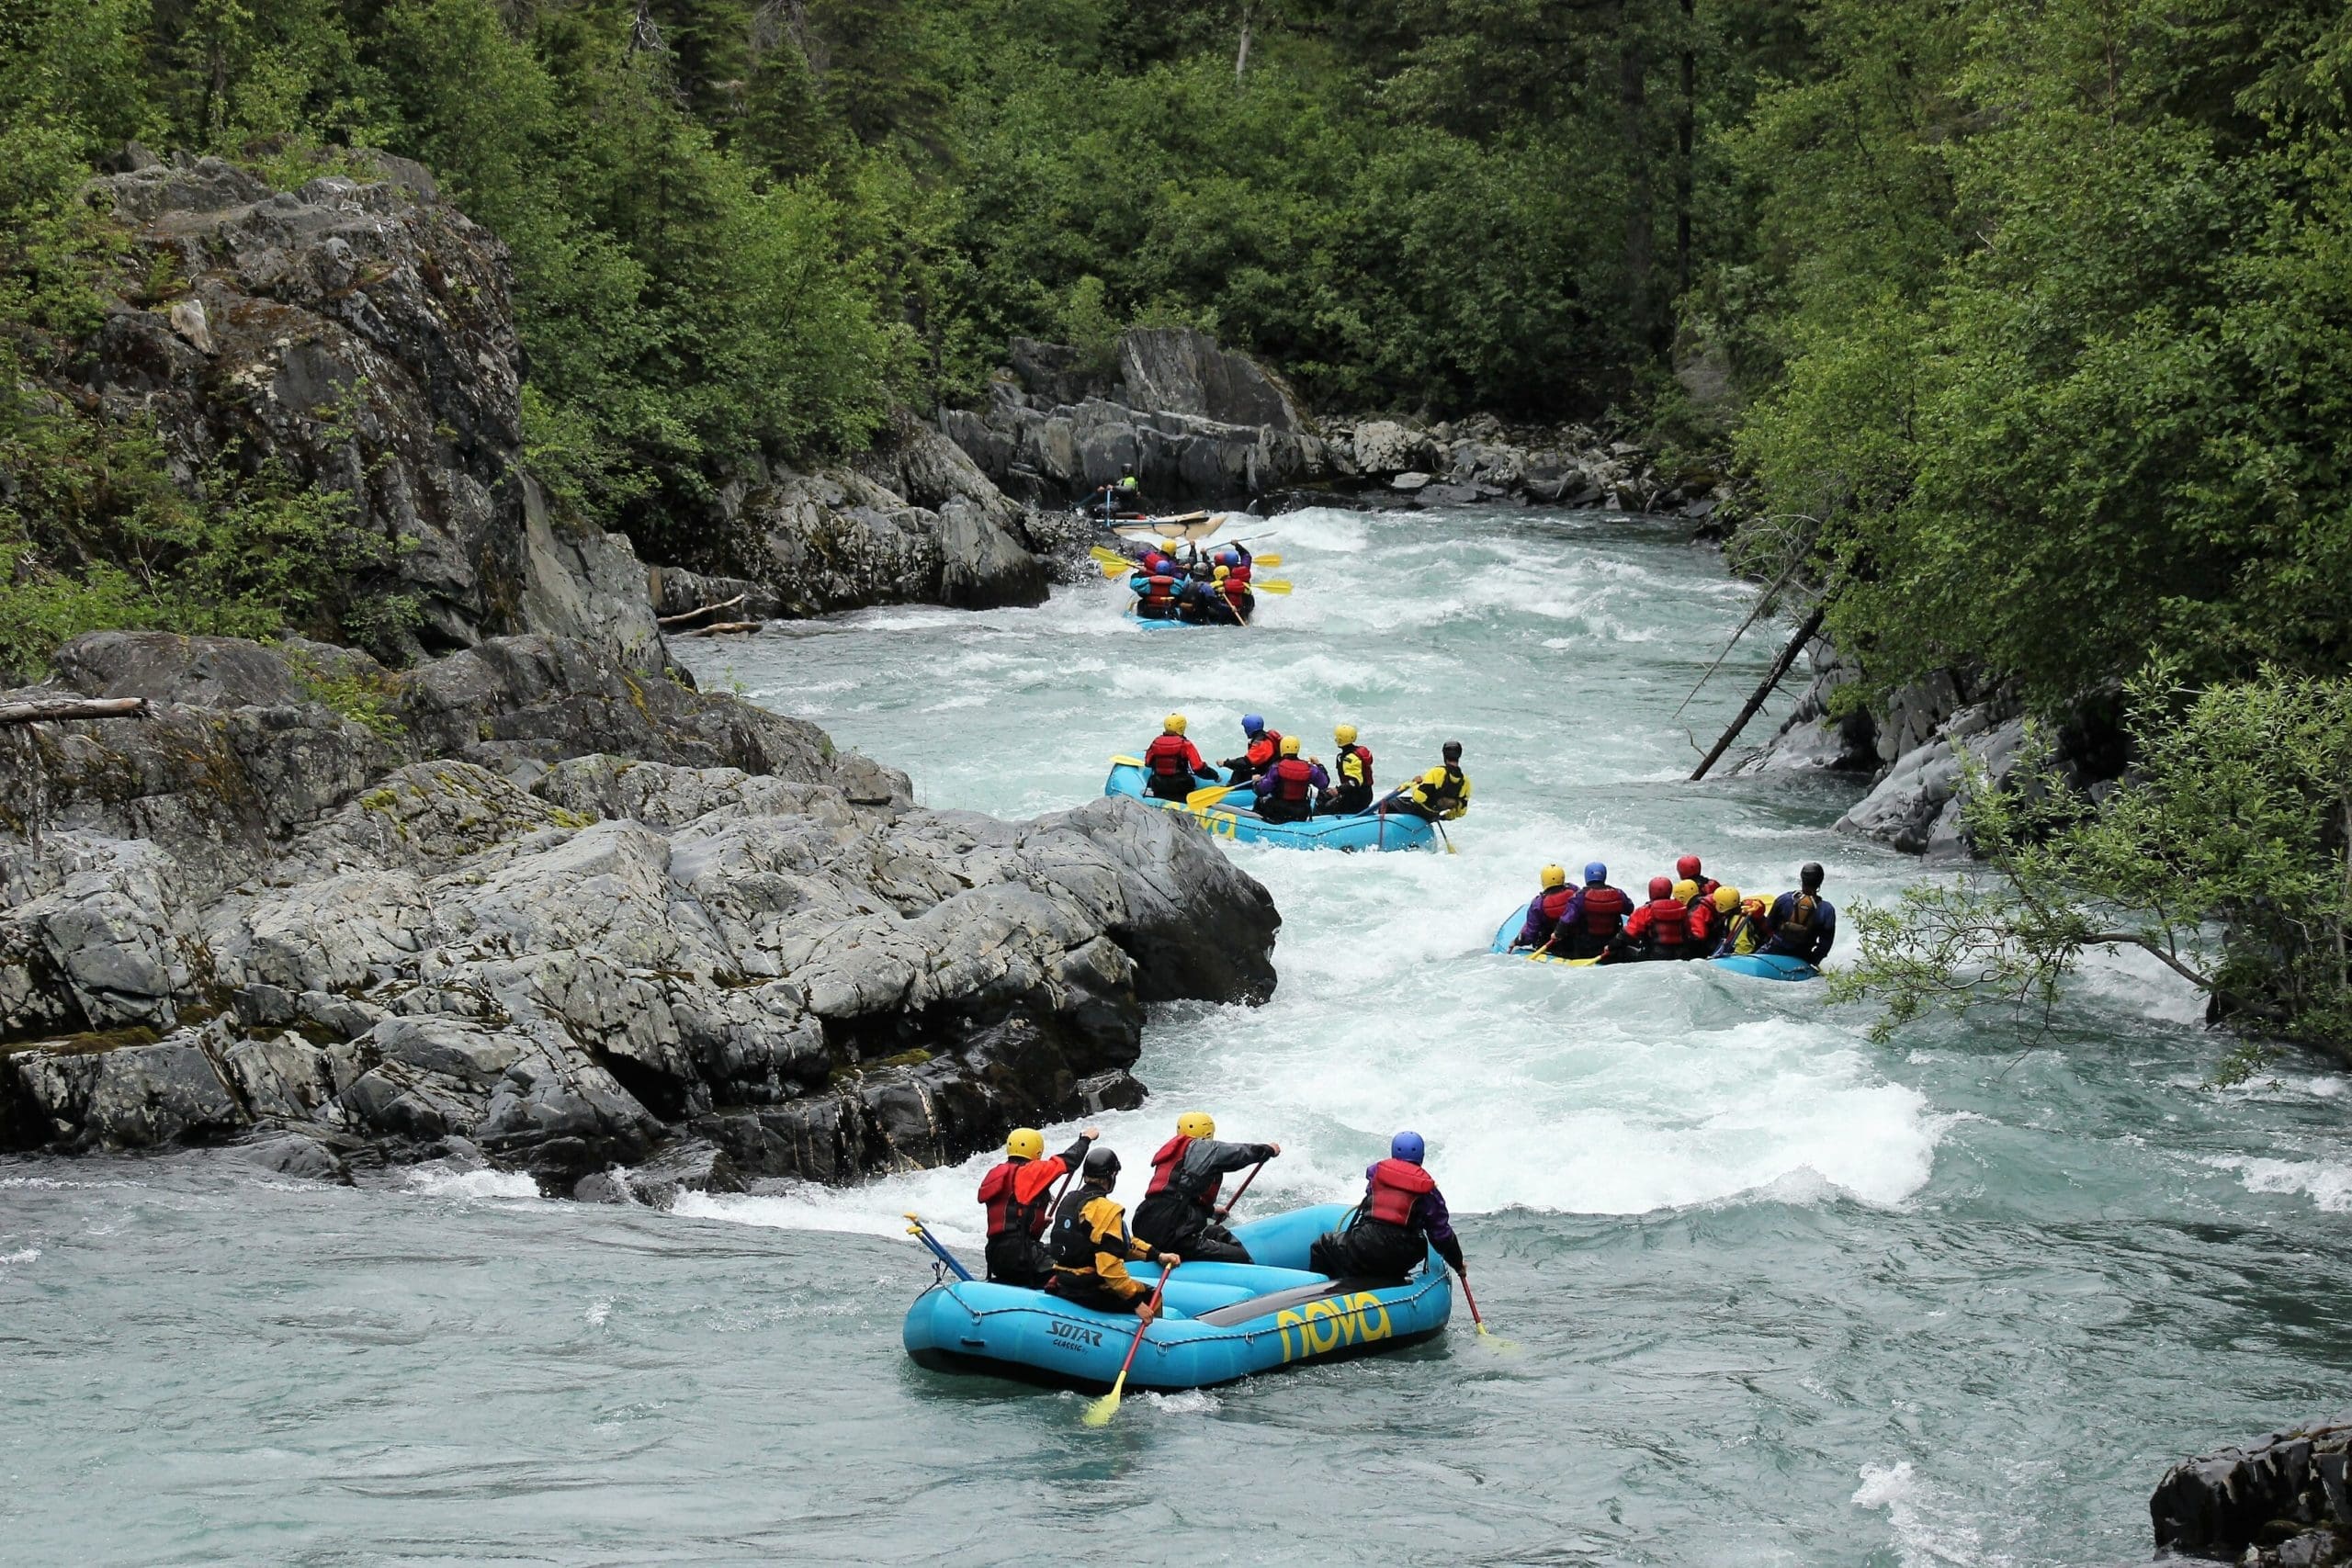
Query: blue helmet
x=1595, y=871
x=1251, y=724
x=1405, y=1147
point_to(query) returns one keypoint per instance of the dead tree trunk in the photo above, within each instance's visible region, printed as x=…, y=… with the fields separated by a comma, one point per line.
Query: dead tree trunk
x=1772, y=678
x=72, y=707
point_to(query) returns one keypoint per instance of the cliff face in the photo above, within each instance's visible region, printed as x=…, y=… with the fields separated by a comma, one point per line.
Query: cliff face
x=512, y=905
x=357, y=335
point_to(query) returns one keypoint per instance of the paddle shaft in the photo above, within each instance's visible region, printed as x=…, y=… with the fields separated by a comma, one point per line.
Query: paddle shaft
x=1471, y=1299
x=1137, y=1343
x=938, y=1250
x=1225, y=1213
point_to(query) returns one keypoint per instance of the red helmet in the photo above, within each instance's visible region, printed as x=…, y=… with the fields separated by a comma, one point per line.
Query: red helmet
x=1661, y=887
x=1688, y=866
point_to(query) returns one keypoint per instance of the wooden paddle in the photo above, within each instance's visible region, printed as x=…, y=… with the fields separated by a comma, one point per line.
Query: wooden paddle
x=1099, y=1414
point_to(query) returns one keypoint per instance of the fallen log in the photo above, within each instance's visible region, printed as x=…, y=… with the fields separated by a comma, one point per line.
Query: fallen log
x=719, y=628
x=682, y=618
x=1764, y=688
x=72, y=707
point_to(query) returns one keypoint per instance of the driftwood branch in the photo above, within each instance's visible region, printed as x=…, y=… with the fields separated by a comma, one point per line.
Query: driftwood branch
x=72, y=707
x=718, y=627
x=679, y=620
x=1764, y=689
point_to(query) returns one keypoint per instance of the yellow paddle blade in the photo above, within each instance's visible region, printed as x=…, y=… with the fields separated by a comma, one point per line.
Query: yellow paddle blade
x=1117, y=567
x=1268, y=558
x=1116, y=762
x=1271, y=584
x=1099, y=1414
x=1212, y=794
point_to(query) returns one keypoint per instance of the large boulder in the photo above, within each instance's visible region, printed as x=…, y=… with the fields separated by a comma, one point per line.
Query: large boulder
x=515, y=903
x=1184, y=370
x=2282, y=1502
x=356, y=334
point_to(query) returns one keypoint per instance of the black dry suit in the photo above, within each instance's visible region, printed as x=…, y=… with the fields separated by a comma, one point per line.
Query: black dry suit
x=1178, y=1213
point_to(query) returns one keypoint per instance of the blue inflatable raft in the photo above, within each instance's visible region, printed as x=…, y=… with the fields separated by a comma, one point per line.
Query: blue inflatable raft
x=1756, y=965
x=1242, y=825
x=1219, y=1322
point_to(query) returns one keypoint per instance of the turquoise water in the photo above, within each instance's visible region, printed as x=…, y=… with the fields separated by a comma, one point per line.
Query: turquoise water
x=1775, y=1294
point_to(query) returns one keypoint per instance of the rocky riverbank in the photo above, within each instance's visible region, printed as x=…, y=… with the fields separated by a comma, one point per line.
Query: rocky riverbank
x=2282, y=1502
x=515, y=906
x=1201, y=425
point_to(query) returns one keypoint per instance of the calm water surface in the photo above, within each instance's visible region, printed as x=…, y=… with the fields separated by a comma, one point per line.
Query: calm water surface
x=1773, y=1294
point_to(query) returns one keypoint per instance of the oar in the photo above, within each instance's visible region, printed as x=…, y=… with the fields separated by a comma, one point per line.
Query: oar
x=1274, y=585
x=1441, y=837
x=1482, y=1330
x=1211, y=795
x=939, y=1251
x=1225, y=1213
x=1099, y=1414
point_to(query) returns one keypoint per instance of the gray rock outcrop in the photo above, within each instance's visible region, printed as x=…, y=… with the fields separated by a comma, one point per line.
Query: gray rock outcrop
x=356, y=334
x=515, y=904
x=2282, y=1502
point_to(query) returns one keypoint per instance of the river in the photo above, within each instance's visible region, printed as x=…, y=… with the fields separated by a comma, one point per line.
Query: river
x=1770, y=1293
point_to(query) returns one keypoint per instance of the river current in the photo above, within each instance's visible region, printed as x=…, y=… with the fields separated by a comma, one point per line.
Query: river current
x=1771, y=1293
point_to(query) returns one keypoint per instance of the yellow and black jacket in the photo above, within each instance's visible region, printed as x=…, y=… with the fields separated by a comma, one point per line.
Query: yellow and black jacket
x=1443, y=792
x=1089, y=1245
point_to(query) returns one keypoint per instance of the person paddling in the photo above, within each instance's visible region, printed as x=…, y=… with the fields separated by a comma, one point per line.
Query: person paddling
x=1440, y=795
x=1090, y=1248
x=1179, y=1211
x=1172, y=768
x=1286, y=791
x=1597, y=917
x=1547, y=913
x=1804, y=924
x=1402, y=1217
x=1264, y=749
x=1659, y=929
x=1688, y=869
x=1014, y=1193
x=1351, y=791
x=1744, y=926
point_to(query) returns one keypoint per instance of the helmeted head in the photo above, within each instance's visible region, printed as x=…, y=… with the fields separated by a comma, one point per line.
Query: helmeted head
x=1661, y=887
x=1196, y=1125
x=1126, y=482
x=1026, y=1143
x=1226, y=558
x=1253, y=726
x=1345, y=734
x=1223, y=572
x=1555, y=877
x=1102, y=1166
x=1727, y=900
x=1406, y=1146
x=1290, y=745
x=1688, y=866
x=1686, y=890
x=1809, y=876
x=1451, y=750
x=1595, y=872
x=1174, y=724
x=1168, y=547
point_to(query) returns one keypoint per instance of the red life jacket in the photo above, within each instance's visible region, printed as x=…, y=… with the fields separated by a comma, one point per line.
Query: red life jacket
x=1005, y=1213
x=1604, y=906
x=1170, y=756
x=1396, y=1184
x=1362, y=755
x=1163, y=1172
x=1265, y=748
x=1237, y=573
x=1669, y=922
x=1293, y=780
x=1703, y=921
x=1554, y=902
x=1159, y=590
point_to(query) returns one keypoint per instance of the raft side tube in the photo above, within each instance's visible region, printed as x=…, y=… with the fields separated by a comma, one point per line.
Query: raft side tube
x=1755, y=966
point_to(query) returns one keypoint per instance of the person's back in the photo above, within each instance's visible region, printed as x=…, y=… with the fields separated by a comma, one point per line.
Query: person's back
x=1542, y=927
x=1402, y=1217
x=1090, y=1246
x=1172, y=765
x=1014, y=1195
x=1657, y=930
x=1599, y=916
x=1286, y=791
x=1179, y=1212
x=1804, y=924
x=1350, y=776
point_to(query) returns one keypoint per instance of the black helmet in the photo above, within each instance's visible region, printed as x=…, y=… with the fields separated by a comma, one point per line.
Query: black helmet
x=1102, y=1165
x=1453, y=750
x=1809, y=874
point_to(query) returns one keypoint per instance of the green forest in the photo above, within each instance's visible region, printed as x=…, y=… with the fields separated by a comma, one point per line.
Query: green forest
x=2030, y=325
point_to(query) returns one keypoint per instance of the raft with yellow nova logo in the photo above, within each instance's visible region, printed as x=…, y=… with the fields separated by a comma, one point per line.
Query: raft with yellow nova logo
x=1220, y=1322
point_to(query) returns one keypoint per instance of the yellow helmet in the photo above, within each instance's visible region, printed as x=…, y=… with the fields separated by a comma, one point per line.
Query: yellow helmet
x=1223, y=572
x=1171, y=546
x=1174, y=724
x=1026, y=1143
x=1686, y=890
x=1555, y=877
x=1727, y=899
x=1196, y=1125
x=1345, y=734
x=1290, y=745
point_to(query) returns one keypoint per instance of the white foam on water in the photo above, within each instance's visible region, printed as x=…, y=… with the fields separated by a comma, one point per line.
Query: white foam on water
x=599, y=1313
x=22, y=1255
x=2329, y=1184
x=439, y=1182
x=1929, y=1531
